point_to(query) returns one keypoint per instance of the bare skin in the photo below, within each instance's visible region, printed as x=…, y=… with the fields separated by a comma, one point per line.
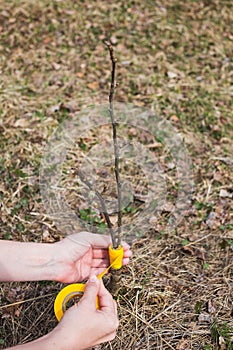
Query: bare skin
x=73, y=259
x=77, y=257
x=82, y=326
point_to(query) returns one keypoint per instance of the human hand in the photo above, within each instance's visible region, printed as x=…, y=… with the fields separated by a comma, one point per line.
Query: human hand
x=83, y=254
x=83, y=326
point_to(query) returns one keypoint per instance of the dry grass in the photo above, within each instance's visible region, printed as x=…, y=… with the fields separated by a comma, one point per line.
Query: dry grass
x=171, y=299
x=175, y=58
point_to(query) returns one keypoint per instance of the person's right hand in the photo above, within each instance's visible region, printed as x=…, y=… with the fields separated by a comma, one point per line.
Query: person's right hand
x=83, y=326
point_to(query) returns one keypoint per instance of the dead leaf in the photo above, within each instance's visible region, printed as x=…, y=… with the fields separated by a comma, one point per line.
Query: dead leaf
x=47, y=40
x=146, y=137
x=139, y=103
x=218, y=177
x=184, y=344
x=154, y=145
x=189, y=250
x=18, y=311
x=80, y=74
x=174, y=118
x=194, y=326
x=114, y=219
x=168, y=207
x=71, y=106
x=22, y=123
x=93, y=86
x=12, y=20
x=56, y=66
x=4, y=13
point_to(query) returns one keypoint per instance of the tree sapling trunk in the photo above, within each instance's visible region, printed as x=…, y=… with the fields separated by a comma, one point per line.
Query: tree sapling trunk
x=115, y=274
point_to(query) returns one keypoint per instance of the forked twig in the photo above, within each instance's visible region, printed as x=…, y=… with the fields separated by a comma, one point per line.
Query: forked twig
x=116, y=274
x=117, y=240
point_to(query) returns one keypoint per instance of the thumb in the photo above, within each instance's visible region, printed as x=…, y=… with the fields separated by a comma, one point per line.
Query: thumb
x=91, y=291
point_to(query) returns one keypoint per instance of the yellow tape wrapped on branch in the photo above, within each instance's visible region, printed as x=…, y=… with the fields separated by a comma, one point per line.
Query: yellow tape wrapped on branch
x=76, y=290
x=116, y=257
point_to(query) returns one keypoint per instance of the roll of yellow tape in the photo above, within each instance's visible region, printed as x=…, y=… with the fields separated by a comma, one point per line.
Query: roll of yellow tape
x=65, y=295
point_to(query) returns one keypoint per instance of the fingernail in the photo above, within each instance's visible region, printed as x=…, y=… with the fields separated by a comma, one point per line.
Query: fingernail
x=93, y=279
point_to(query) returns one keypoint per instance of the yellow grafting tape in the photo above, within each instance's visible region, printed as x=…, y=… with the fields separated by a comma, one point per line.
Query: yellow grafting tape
x=77, y=289
x=65, y=295
x=116, y=257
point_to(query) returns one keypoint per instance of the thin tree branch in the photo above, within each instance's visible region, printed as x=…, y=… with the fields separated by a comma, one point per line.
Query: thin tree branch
x=117, y=240
x=101, y=200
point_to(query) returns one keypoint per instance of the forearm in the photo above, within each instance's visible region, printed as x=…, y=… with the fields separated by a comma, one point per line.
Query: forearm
x=57, y=339
x=26, y=261
x=48, y=342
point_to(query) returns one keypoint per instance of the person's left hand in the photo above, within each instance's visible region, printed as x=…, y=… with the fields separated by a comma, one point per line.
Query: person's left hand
x=83, y=254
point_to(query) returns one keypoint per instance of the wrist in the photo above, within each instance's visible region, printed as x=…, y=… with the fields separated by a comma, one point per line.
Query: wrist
x=46, y=262
x=41, y=261
x=66, y=262
x=52, y=263
x=52, y=341
x=47, y=342
x=61, y=339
